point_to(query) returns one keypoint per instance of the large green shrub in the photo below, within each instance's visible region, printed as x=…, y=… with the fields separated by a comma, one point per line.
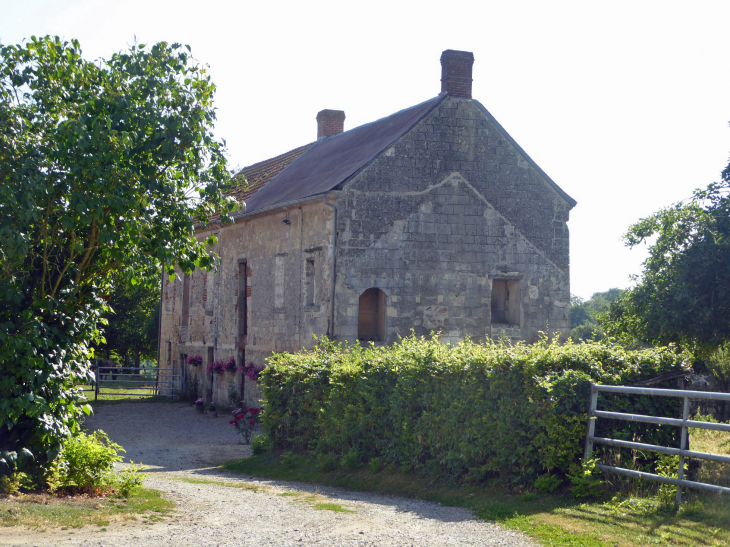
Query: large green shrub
x=86, y=464
x=466, y=412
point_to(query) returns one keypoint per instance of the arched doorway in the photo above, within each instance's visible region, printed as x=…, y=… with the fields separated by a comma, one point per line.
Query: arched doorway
x=371, y=316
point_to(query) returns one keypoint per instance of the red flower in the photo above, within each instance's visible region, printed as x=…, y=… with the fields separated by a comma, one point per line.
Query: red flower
x=239, y=416
x=251, y=422
x=236, y=423
x=230, y=422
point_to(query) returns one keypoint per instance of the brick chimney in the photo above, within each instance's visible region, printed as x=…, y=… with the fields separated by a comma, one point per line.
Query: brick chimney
x=330, y=122
x=456, y=73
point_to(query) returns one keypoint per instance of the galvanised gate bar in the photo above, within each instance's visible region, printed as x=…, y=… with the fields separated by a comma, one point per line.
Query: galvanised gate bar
x=683, y=423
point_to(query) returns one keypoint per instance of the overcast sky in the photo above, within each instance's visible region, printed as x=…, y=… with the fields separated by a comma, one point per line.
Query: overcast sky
x=624, y=104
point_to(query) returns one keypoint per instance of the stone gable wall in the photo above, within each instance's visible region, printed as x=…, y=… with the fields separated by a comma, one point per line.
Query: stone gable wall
x=447, y=209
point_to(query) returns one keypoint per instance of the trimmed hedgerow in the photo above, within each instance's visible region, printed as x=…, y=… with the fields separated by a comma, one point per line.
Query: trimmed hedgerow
x=465, y=412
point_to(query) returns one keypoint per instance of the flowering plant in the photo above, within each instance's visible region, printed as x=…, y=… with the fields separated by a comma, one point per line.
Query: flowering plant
x=230, y=365
x=251, y=370
x=221, y=366
x=245, y=422
x=200, y=401
x=195, y=360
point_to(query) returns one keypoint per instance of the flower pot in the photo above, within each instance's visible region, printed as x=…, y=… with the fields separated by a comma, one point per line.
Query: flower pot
x=200, y=409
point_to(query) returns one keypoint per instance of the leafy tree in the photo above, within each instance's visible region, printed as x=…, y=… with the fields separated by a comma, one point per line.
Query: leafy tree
x=583, y=314
x=131, y=331
x=105, y=166
x=683, y=295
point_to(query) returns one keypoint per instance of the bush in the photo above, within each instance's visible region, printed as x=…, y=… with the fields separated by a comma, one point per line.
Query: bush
x=86, y=464
x=327, y=462
x=260, y=444
x=468, y=412
x=547, y=483
x=584, y=479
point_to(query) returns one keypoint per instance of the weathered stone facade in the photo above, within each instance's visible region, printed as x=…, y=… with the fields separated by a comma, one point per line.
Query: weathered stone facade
x=449, y=226
x=445, y=211
x=275, y=255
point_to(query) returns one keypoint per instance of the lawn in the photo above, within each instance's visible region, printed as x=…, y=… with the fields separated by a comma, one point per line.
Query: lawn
x=41, y=511
x=125, y=392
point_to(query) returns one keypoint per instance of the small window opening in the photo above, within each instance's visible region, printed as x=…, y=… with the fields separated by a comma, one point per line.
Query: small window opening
x=169, y=352
x=309, y=282
x=371, y=316
x=505, y=302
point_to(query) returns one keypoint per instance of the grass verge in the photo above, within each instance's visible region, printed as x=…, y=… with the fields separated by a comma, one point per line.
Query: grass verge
x=41, y=511
x=316, y=500
x=552, y=520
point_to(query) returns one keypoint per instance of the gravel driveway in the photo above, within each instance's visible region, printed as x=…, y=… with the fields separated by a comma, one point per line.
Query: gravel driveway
x=176, y=443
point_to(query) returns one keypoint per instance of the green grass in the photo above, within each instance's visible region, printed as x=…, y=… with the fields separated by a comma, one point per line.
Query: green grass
x=551, y=520
x=316, y=500
x=41, y=511
x=123, y=394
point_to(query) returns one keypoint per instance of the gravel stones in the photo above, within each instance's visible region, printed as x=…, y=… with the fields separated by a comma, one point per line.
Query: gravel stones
x=177, y=443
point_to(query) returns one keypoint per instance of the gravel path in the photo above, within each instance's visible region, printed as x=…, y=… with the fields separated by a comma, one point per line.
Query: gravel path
x=176, y=443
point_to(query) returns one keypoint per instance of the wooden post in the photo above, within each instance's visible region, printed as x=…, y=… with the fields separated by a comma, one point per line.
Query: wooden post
x=96, y=379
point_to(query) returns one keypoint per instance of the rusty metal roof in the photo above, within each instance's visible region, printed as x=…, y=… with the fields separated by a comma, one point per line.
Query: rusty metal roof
x=331, y=161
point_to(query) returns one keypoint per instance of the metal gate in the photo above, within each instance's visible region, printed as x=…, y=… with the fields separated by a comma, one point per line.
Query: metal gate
x=684, y=423
x=165, y=382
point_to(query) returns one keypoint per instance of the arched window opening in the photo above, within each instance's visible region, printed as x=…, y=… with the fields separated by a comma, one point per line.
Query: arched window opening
x=371, y=316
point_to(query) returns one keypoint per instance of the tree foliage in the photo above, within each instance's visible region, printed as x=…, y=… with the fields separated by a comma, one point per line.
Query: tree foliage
x=583, y=314
x=105, y=166
x=683, y=294
x=132, y=321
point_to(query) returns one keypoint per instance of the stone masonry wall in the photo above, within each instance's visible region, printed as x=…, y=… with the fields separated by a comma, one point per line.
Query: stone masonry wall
x=278, y=318
x=445, y=211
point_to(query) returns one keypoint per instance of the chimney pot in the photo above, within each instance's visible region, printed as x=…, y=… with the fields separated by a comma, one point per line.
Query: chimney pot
x=330, y=122
x=456, y=73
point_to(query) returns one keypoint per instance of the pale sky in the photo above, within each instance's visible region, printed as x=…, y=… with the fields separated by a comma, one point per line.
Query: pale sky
x=624, y=104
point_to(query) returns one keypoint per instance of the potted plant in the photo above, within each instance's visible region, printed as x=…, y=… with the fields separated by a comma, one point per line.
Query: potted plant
x=229, y=365
x=251, y=370
x=194, y=360
x=200, y=406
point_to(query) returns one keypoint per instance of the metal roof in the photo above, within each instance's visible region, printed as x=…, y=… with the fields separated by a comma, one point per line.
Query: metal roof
x=322, y=166
x=331, y=161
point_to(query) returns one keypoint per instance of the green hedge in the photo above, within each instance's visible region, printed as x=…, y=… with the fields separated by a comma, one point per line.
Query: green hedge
x=465, y=412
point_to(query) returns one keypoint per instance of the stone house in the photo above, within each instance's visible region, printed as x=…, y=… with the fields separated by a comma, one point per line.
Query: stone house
x=431, y=219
